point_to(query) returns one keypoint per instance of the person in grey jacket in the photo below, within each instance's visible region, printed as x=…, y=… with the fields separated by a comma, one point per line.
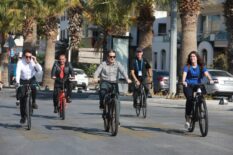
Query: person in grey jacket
x=109, y=72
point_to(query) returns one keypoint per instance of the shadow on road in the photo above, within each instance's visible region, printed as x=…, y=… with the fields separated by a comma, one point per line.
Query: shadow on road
x=44, y=116
x=164, y=130
x=95, y=114
x=10, y=126
x=91, y=131
x=8, y=107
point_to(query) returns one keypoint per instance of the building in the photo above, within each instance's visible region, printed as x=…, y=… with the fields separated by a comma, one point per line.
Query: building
x=211, y=35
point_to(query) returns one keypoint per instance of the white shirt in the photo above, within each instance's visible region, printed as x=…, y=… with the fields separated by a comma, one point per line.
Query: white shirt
x=26, y=71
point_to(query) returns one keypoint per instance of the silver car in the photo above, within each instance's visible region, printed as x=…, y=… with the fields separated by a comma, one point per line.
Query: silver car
x=223, y=83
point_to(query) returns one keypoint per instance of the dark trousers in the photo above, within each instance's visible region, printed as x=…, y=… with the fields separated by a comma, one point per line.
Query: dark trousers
x=145, y=84
x=58, y=87
x=188, y=92
x=105, y=87
x=21, y=92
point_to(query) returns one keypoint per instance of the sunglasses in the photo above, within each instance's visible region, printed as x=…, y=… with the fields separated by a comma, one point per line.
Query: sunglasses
x=28, y=57
x=112, y=56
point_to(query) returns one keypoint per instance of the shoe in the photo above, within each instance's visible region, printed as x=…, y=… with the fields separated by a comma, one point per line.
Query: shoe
x=187, y=125
x=22, y=121
x=17, y=103
x=119, y=125
x=34, y=105
x=55, y=110
x=69, y=100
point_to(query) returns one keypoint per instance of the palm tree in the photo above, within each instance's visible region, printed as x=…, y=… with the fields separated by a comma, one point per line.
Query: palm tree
x=9, y=22
x=228, y=13
x=189, y=11
x=52, y=9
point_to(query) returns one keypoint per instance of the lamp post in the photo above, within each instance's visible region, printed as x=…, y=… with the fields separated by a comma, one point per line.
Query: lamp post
x=173, y=50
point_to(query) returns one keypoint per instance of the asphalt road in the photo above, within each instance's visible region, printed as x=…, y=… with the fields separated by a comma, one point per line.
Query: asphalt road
x=82, y=132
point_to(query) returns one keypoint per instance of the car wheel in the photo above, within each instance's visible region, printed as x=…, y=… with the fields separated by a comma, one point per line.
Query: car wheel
x=230, y=98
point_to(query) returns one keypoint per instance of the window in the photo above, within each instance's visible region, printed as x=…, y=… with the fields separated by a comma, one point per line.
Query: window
x=204, y=56
x=210, y=23
x=155, y=60
x=163, y=58
x=162, y=29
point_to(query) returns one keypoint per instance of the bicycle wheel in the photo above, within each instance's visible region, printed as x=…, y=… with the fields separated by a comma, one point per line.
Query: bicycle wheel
x=144, y=104
x=28, y=111
x=63, y=108
x=203, y=118
x=138, y=107
x=105, y=115
x=114, y=116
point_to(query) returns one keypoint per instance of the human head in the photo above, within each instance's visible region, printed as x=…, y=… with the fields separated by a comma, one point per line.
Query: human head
x=139, y=53
x=193, y=58
x=62, y=59
x=27, y=55
x=111, y=56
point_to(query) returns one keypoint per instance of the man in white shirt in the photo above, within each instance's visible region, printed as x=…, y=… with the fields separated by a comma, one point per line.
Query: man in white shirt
x=25, y=74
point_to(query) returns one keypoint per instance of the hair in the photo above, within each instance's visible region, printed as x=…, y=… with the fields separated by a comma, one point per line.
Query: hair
x=111, y=51
x=199, y=59
x=27, y=51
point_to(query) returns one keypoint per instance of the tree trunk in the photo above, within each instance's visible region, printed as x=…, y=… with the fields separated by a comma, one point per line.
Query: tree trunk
x=49, y=60
x=188, y=42
x=4, y=63
x=30, y=35
x=145, y=42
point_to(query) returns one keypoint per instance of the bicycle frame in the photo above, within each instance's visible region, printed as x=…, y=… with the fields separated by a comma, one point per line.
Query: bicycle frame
x=62, y=100
x=139, y=97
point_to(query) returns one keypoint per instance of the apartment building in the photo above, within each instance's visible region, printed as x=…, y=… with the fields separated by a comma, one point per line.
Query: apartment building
x=211, y=34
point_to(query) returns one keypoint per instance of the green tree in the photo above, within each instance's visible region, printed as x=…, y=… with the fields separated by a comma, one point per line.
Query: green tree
x=9, y=22
x=51, y=9
x=189, y=11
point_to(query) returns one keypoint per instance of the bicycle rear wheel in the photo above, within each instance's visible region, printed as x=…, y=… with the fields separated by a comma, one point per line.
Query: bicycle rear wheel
x=28, y=111
x=105, y=115
x=144, y=104
x=114, y=117
x=203, y=118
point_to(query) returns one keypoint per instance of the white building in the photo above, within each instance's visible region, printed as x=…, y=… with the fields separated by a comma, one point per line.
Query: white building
x=211, y=35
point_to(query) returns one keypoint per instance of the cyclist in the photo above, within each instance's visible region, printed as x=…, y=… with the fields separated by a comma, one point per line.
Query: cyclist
x=25, y=74
x=193, y=72
x=62, y=70
x=141, y=72
x=109, y=71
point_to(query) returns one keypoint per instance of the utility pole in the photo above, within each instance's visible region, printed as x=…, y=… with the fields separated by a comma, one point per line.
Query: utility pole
x=173, y=50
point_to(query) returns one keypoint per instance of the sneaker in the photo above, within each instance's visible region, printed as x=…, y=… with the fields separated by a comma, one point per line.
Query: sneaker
x=34, y=105
x=69, y=100
x=55, y=110
x=119, y=125
x=22, y=121
x=187, y=125
x=17, y=103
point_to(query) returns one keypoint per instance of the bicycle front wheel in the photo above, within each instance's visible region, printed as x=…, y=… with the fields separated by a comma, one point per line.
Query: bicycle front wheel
x=28, y=111
x=144, y=104
x=138, y=106
x=105, y=115
x=114, y=117
x=203, y=118
x=63, y=111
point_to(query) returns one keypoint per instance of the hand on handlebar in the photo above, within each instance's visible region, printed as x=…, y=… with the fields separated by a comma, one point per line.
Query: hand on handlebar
x=185, y=84
x=211, y=82
x=129, y=81
x=95, y=80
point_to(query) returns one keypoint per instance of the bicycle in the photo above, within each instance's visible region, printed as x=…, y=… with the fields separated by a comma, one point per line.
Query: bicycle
x=199, y=111
x=140, y=100
x=62, y=101
x=111, y=110
x=28, y=98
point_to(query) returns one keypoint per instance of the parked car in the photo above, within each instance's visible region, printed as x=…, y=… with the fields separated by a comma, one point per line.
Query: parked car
x=160, y=81
x=81, y=79
x=223, y=83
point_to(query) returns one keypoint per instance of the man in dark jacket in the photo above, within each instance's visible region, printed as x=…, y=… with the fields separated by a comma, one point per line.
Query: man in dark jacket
x=62, y=70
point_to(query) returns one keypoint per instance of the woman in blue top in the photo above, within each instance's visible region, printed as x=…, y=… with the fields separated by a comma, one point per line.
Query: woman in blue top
x=193, y=72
